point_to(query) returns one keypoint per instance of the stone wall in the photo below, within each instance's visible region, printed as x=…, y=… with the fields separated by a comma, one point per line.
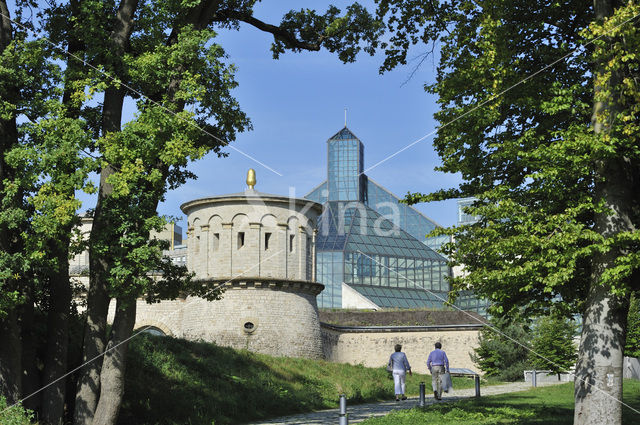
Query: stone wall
x=251, y=235
x=278, y=318
x=372, y=346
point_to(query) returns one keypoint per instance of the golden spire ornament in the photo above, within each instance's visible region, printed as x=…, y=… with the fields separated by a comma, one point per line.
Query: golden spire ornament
x=251, y=178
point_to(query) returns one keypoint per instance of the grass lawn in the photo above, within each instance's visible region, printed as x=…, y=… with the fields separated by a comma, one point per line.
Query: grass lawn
x=546, y=405
x=174, y=381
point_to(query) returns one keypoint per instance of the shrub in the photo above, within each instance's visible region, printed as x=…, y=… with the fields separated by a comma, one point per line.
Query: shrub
x=15, y=415
x=498, y=354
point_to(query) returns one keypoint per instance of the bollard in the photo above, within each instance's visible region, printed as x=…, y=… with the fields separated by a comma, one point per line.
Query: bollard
x=534, y=378
x=421, y=402
x=344, y=420
x=477, y=381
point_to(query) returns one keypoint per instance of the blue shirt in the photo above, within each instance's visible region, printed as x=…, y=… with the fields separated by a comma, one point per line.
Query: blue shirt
x=399, y=362
x=438, y=358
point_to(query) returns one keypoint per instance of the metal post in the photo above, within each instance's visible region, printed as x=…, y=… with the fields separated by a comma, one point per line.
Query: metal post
x=421, y=402
x=534, y=378
x=477, y=382
x=344, y=420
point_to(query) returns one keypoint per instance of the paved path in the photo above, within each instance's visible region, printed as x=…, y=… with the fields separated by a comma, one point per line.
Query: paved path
x=360, y=412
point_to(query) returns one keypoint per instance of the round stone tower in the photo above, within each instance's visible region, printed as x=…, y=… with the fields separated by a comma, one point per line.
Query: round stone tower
x=260, y=249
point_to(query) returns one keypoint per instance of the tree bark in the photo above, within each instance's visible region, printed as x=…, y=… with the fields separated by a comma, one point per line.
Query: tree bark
x=598, y=381
x=30, y=374
x=55, y=360
x=113, y=368
x=97, y=296
x=10, y=358
x=11, y=346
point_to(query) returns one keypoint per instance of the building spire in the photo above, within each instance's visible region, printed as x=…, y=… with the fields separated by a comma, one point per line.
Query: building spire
x=345, y=117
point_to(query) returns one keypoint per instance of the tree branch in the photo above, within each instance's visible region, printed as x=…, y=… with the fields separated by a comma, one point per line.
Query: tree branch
x=279, y=33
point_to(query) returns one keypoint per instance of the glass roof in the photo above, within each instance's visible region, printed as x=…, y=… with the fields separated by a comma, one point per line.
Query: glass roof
x=369, y=232
x=344, y=134
x=405, y=297
x=319, y=193
x=352, y=226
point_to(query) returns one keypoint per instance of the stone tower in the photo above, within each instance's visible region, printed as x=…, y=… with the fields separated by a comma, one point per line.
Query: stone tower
x=260, y=249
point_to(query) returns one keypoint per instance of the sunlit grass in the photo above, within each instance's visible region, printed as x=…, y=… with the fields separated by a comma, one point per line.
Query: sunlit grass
x=546, y=405
x=173, y=381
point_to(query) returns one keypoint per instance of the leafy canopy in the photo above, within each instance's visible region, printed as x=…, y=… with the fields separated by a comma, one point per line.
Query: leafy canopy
x=515, y=85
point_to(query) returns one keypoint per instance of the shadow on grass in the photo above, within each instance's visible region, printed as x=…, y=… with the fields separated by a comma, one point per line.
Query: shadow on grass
x=548, y=405
x=172, y=381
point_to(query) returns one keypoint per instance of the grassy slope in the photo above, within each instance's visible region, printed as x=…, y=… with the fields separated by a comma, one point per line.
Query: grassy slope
x=173, y=381
x=547, y=405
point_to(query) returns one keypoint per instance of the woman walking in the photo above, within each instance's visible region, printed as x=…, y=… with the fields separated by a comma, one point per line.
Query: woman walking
x=399, y=366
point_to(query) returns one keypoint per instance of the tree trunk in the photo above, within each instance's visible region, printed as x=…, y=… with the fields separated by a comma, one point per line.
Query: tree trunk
x=113, y=368
x=99, y=264
x=11, y=346
x=598, y=382
x=10, y=358
x=55, y=360
x=30, y=373
x=93, y=347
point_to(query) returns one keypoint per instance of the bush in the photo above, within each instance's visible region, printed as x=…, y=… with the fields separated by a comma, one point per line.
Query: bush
x=553, y=345
x=632, y=347
x=15, y=415
x=498, y=354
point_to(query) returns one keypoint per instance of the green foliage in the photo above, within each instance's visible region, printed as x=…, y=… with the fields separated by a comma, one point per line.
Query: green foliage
x=553, y=344
x=546, y=405
x=15, y=415
x=345, y=35
x=173, y=381
x=444, y=414
x=632, y=347
x=528, y=154
x=500, y=352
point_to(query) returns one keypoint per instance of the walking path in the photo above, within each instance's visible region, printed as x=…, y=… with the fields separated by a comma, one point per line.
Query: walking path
x=360, y=412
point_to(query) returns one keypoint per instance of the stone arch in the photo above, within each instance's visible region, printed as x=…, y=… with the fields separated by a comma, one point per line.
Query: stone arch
x=240, y=219
x=240, y=229
x=195, y=235
x=292, y=235
x=215, y=221
x=292, y=222
x=154, y=323
x=215, y=232
x=269, y=220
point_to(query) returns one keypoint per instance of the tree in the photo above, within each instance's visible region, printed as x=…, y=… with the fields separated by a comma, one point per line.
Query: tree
x=553, y=344
x=500, y=353
x=632, y=346
x=545, y=137
x=163, y=56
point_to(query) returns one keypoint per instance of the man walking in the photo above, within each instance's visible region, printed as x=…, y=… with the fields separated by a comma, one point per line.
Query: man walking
x=438, y=363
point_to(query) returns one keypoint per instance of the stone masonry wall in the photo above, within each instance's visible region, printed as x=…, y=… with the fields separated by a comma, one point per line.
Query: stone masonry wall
x=284, y=318
x=250, y=236
x=372, y=349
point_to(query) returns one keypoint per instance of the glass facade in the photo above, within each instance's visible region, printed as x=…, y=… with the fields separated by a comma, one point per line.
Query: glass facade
x=463, y=216
x=345, y=165
x=467, y=300
x=369, y=241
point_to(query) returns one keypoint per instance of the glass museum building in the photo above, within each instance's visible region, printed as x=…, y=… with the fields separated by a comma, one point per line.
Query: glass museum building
x=371, y=250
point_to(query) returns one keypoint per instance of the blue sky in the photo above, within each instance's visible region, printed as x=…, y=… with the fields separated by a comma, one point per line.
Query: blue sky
x=297, y=102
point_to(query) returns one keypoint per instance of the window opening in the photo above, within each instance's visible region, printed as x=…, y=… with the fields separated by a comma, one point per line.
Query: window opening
x=267, y=237
x=240, y=239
